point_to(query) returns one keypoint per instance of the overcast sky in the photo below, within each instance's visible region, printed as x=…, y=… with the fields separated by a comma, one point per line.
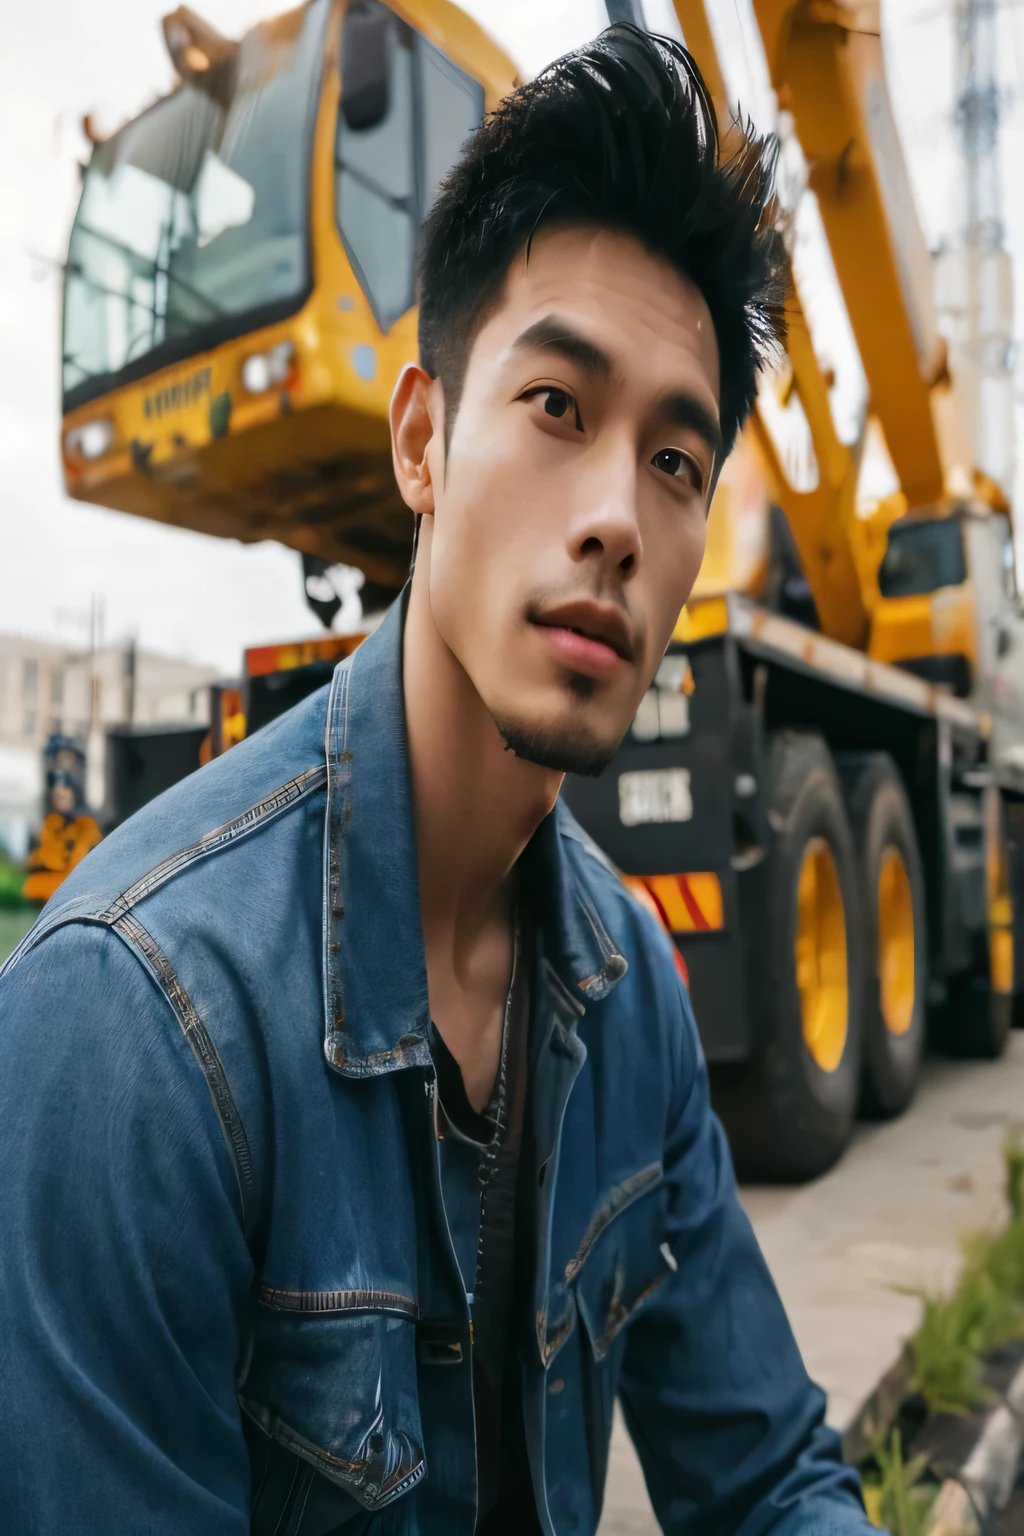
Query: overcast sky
x=208, y=598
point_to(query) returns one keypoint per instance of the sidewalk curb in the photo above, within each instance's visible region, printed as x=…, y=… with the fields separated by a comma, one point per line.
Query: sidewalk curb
x=878, y=1408
x=989, y=1474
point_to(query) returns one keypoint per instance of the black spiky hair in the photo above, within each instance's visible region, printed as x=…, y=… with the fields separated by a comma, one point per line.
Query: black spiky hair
x=621, y=134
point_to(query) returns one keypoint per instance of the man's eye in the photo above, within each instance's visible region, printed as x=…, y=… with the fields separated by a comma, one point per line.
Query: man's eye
x=680, y=465
x=557, y=403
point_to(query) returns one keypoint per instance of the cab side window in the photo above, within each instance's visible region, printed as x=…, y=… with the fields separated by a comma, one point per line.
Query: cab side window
x=388, y=171
x=375, y=189
x=1008, y=563
x=453, y=105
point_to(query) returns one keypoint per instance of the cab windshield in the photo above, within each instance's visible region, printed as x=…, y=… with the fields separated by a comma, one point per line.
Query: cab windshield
x=192, y=225
x=921, y=557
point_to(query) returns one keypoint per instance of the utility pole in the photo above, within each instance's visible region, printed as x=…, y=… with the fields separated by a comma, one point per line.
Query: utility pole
x=94, y=757
x=129, y=669
x=976, y=279
x=95, y=643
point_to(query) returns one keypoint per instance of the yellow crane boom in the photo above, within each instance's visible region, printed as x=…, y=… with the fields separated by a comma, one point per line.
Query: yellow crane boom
x=240, y=290
x=825, y=63
x=825, y=58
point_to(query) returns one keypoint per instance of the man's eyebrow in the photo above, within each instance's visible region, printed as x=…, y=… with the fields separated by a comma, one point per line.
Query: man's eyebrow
x=678, y=410
x=687, y=411
x=553, y=335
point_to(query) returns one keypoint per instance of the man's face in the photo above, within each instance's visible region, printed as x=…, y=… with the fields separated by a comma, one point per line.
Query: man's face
x=570, y=506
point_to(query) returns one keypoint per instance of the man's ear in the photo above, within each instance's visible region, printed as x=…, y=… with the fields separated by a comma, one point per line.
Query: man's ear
x=417, y=437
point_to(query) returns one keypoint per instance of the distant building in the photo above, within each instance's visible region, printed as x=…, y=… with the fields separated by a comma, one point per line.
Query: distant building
x=45, y=687
x=31, y=689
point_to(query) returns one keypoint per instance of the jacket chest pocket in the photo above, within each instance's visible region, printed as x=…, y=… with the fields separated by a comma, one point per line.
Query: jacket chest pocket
x=338, y=1389
x=622, y=1260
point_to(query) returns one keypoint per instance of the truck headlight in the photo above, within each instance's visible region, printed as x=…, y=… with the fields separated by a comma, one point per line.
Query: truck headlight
x=91, y=440
x=262, y=370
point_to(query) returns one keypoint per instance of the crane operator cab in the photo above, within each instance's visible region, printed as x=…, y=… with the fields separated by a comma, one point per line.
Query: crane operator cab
x=949, y=610
x=240, y=283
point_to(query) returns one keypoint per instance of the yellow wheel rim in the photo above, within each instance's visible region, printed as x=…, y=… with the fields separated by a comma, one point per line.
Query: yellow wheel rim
x=1000, y=900
x=895, y=943
x=820, y=953
x=1000, y=948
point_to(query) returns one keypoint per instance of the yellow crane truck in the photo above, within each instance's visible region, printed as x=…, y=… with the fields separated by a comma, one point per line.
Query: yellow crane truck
x=822, y=795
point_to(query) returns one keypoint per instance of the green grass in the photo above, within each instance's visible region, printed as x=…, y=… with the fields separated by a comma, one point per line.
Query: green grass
x=1013, y=1186
x=12, y=878
x=954, y=1335
x=12, y=926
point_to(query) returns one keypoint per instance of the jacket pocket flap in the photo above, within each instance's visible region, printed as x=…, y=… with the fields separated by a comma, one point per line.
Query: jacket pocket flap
x=341, y=1392
x=625, y=1232
x=626, y=1265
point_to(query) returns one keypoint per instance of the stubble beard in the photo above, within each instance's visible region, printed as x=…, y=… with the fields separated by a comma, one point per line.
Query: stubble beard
x=570, y=749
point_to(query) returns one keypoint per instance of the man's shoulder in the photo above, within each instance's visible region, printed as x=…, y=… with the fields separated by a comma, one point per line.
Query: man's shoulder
x=196, y=926
x=256, y=784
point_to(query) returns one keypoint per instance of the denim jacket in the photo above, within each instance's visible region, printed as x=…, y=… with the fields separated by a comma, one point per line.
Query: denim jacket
x=228, y=1297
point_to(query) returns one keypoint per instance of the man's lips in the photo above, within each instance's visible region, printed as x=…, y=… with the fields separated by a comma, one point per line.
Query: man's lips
x=587, y=637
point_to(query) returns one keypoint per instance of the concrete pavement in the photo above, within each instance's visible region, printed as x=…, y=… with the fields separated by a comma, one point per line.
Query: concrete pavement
x=891, y=1215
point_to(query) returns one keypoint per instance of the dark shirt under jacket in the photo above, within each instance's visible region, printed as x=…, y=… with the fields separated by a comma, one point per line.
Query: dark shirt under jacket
x=480, y=1177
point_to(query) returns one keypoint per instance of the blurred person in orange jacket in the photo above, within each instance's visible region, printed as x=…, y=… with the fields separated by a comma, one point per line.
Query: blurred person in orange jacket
x=67, y=835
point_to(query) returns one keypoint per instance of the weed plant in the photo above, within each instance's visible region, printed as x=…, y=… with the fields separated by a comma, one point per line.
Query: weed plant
x=897, y=1499
x=956, y=1333
x=985, y=1310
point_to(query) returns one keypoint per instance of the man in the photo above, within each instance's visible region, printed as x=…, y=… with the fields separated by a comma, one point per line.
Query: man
x=357, y=1150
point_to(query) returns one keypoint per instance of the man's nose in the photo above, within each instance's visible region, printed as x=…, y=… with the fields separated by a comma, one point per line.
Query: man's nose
x=606, y=528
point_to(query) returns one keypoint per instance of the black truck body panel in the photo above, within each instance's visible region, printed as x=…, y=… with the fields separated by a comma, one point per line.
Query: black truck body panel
x=759, y=675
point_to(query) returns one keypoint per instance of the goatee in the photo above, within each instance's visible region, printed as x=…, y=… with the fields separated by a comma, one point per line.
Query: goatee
x=565, y=752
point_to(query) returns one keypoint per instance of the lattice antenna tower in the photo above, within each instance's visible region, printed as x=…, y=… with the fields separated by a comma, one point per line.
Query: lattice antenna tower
x=979, y=301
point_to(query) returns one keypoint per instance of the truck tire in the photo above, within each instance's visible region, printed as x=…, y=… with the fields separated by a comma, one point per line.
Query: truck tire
x=1013, y=810
x=892, y=904
x=975, y=1020
x=978, y=1012
x=790, y=1110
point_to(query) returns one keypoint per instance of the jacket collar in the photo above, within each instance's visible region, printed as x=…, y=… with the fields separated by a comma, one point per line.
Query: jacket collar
x=374, y=972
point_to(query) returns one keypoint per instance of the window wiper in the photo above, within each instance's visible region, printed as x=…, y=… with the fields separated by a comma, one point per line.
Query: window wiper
x=194, y=293
x=145, y=266
x=105, y=292
x=403, y=204
x=133, y=348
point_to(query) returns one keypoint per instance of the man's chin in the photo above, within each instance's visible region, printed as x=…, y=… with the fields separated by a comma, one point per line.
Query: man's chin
x=565, y=751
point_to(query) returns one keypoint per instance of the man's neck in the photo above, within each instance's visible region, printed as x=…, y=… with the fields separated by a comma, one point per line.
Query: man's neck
x=476, y=804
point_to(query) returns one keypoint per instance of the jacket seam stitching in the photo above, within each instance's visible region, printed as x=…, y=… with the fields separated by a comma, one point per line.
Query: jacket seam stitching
x=352, y=1472
x=334, y=753
x=605, y=943
x=614, y=1326
x=258, y=815
x=200, y=1043
x=551, y=1336
x=616, y=1203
